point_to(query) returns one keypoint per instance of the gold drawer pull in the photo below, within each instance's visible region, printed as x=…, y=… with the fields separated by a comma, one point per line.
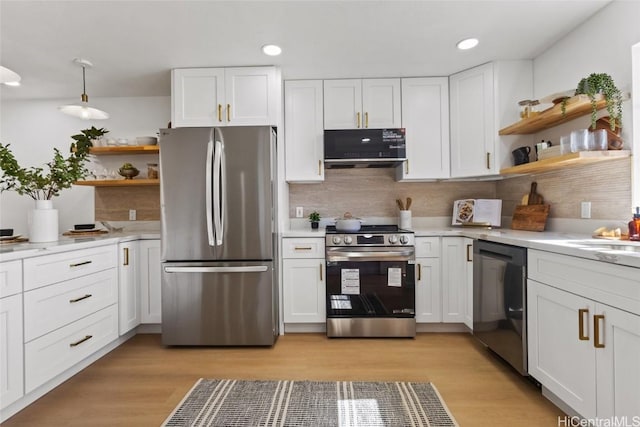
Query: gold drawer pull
x=228, y=112
x=86, y=338
x=319, y=167
x=581, y=314
x=419, y=272
x=366, y=120
x=126, y=256
x=80, y=264
x=80, y=298
x=303, y=248
x=469, y=259
x=219, y=112
x=358, y=120
x=321, y=272
x=596, y=330
x=488, y=160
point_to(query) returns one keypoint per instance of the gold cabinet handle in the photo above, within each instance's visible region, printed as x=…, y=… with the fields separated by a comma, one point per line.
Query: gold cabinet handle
x=71, y=301
x=321, y=272
x=319, y=167
x=358, y=119
x=596, y=330
x=419, y=272
x=469, y=246
x=80, y=264
x=126, y=256
x=220, y=112
x=302, y=248
x=228, y=112
x=488, y=160
x=406, y=167
x=86, y=338
x=366, y=119
x=581, y=313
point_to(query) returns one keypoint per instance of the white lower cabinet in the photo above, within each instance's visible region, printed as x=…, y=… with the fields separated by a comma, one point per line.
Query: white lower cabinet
x=428, y=282
x=582, y=348
x=468, y=259
x=303, y=280
x=129, y=307
x=454, y=279
x=11, y=349
x=150, y=281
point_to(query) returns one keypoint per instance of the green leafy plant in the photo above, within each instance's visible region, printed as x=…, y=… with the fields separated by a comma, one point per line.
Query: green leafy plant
x=84, y=140
x=42, y=183
x=314, y=216
x=600, y=84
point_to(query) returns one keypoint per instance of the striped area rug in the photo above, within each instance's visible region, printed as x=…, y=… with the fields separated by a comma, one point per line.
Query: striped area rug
x=310, y=403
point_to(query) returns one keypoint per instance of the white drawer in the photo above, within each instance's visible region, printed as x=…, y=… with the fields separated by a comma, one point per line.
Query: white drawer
x=56, y=352
x=54, y=306
x=614, y=285
x=10, y=278
x=49, y=269
x=427, y=247
x=301, y=247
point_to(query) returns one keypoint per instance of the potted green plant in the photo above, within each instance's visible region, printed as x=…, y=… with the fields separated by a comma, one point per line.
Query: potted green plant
x=42, y=184
x=314, y=218
x=603, y=84
x=84, y=140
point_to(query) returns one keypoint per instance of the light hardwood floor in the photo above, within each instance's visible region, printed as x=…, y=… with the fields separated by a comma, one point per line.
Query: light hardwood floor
x=140, y=382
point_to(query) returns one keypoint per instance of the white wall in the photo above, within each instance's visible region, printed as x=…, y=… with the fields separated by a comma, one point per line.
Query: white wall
x=35, y=127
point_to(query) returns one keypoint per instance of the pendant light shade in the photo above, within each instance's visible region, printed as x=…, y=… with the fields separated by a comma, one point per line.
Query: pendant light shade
x=83, y=110
x=9, y=77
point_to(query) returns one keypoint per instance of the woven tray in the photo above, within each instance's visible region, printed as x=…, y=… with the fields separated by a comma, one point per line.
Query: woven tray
x=85, y=234
x=16, y=240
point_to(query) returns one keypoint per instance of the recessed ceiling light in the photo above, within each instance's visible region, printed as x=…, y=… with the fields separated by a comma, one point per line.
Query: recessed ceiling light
x=271, y=49
x=467, y=44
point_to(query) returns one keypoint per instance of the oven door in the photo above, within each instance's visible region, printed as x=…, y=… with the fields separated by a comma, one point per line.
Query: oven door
x=370, y=282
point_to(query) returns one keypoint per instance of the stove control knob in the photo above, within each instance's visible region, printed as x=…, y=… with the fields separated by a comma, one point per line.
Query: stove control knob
x=393, y=239
x=348, y=240
x=336, y=240
x=404, y=239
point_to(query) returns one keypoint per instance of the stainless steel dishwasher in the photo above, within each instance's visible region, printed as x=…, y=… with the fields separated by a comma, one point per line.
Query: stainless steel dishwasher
x=500, y=300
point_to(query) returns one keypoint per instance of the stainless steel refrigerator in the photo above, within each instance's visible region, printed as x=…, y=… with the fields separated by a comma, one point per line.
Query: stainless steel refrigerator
x=217, y=197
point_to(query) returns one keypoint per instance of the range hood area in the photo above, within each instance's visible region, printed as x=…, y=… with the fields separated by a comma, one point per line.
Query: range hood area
x=364, y=148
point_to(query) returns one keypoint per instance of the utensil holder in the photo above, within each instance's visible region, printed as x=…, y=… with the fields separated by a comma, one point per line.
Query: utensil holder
x=405, y=220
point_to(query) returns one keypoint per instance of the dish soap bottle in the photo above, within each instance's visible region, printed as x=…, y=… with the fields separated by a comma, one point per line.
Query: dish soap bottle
x=634, y=226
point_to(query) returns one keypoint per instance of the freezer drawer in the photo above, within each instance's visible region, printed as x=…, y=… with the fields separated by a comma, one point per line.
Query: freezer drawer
x=230, y=303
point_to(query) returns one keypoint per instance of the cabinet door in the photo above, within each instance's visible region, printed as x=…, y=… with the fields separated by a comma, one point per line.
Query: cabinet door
x=303, y=132
x=428, y=297
x=250, y=94
x=11, y=350
x=558, y=358
x=343, y=104
x=425, y=116
x=468, y=311
x=129, y=308
x=381, y=103
x=197, y=97
x=304, y=289
x=617, y=366
x=472, y=122
x=454, y=280
x=150, y=283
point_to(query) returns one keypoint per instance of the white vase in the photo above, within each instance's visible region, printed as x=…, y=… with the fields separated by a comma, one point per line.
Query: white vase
x=43, y=222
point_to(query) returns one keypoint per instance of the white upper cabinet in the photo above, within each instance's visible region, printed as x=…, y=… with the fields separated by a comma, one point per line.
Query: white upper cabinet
x=303, y=121
x=362, y=103
x=484, y=99
x=224, y=96
x=425, y=116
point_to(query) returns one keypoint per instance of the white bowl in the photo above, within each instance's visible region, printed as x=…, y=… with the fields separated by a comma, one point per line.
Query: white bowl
x=147, y=140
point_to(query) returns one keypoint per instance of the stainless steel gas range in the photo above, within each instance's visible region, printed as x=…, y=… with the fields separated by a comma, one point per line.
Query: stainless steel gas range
x=370, y=282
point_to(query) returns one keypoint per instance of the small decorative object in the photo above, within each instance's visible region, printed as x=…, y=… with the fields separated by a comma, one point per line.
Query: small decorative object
x=314, y=218
x=42, y=186
x=603, y=84
x=128, y=171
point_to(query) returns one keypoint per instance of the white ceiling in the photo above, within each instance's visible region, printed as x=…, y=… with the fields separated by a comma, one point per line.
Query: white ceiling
x=134, y=44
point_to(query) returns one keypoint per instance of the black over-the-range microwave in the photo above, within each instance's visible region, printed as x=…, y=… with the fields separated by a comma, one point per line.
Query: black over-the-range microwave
x=348, y=148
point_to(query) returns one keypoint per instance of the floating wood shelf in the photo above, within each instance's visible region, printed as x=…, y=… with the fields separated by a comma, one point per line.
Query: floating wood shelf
x=571, y=159
x=577, y=106
x=119, y=182
x=125, y=149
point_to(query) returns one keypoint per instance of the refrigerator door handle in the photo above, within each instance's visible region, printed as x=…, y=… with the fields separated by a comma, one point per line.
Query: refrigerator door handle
x=217, y=152
x=249, y=269
x=223, y=189
x=208, y=195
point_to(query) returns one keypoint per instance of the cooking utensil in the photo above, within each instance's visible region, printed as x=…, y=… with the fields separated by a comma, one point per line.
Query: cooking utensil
x=409, y=201
x=348, y=223
x=534, y=197
x=400, y=204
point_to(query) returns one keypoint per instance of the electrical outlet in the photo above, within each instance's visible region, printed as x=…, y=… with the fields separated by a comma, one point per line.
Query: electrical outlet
x=585, y=210
x=299, y=212
x=132, y=214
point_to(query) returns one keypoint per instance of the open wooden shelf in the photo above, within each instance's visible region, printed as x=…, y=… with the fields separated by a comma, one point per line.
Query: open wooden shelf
x=577, y=106
x=571, y=159
x=125, y=149
x=119, y=182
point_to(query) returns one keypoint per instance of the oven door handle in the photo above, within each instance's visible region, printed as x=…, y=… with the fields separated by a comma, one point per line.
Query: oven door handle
x=403, y=255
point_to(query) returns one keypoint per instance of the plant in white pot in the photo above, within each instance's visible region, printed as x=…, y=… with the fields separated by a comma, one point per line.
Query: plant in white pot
x=42, y=184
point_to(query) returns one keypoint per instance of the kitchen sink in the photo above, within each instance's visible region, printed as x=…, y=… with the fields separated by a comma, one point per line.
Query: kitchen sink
x=610, y=245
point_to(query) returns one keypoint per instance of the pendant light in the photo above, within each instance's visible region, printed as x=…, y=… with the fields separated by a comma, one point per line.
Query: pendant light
x=9, y=77
x=83, y=111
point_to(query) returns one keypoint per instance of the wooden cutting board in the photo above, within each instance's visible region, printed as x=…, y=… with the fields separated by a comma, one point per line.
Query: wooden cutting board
x=530, y=217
